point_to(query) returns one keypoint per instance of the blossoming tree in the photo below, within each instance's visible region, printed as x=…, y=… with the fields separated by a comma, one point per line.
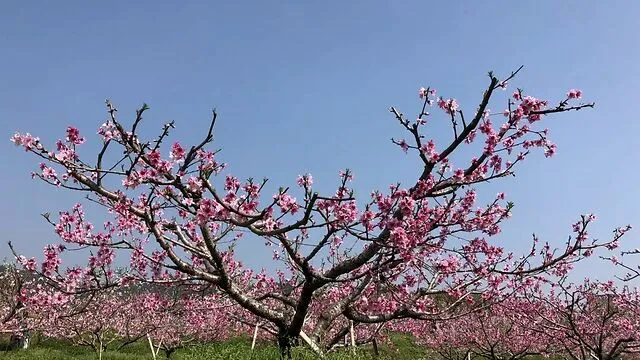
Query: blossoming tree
x=10, y=287
x=179, y=218
x=498, y=331
x=591, y=320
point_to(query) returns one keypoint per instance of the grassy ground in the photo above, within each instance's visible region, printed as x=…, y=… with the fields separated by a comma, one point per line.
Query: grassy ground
x=240, y=349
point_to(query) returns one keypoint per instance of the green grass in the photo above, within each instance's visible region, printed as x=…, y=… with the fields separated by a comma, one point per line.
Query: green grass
x=402, y=348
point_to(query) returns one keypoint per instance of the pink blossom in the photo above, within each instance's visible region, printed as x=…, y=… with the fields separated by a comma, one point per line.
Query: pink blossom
x=73, y=136
x=177, y=152
x=286, y=203
x=28, y=141
x=450, y=106
x=305, y=180
x=574, y=94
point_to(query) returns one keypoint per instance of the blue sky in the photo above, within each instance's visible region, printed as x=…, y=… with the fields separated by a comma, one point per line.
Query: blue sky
x=304, y=87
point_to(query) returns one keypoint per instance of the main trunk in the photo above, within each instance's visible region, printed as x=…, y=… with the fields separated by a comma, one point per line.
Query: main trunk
x=285, y=343
x=19, y=341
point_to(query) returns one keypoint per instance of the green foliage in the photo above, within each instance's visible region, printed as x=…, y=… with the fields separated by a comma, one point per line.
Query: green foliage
x=402, y=348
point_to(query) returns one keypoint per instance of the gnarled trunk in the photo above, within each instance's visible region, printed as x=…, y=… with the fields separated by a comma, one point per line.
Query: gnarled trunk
x=19, y=341
x=285, y=343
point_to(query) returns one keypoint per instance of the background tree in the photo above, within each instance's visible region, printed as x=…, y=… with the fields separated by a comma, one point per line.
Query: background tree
x=592, y=320
x=12, y=307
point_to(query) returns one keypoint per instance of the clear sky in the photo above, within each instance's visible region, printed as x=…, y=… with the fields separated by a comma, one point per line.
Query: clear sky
x=304, y=87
